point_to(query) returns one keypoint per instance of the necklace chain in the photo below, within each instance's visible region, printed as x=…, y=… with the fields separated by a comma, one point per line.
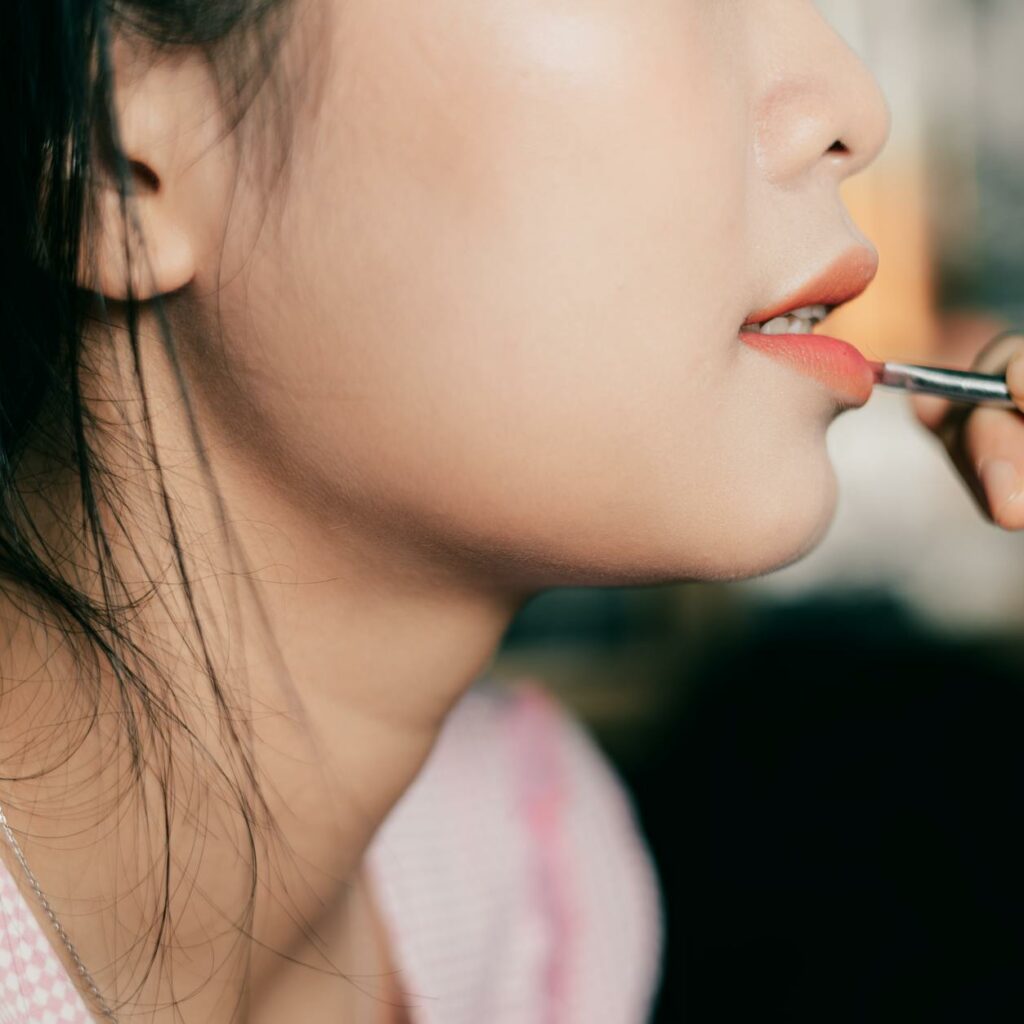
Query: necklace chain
x=87, y=978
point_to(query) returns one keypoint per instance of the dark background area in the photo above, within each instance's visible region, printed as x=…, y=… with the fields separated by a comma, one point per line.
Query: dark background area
x=831, y=793
x=835, y=818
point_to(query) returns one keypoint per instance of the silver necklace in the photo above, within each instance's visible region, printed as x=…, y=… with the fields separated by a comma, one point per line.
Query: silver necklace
x=87, y=978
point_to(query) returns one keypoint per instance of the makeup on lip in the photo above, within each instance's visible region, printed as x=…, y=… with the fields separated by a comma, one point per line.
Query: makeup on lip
x=836, y=364
x=840, y=366
x=784, y=331
x=844, y=370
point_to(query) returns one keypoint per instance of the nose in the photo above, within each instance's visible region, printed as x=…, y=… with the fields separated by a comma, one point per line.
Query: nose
x=828, y=116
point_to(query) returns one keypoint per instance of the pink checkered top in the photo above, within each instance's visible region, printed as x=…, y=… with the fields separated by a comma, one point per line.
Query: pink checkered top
x=511, y=877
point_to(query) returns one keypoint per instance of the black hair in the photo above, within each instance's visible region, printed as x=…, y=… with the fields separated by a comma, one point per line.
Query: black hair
x=59, y=123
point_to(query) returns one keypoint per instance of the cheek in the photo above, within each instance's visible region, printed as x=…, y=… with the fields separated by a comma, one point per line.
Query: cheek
x=538, y=201
x=506, y=289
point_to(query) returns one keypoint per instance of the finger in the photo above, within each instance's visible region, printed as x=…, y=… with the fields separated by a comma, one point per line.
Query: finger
x=1015, y=377
x=945, y=418
x=999, y=352
x=929, y=409
x=990, y=457
x=992, y=358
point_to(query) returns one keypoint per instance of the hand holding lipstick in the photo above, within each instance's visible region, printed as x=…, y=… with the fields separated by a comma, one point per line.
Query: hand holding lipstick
x=986, y=443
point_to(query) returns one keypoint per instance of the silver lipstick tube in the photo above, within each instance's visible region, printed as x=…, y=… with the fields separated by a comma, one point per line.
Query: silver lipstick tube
x=955, y=385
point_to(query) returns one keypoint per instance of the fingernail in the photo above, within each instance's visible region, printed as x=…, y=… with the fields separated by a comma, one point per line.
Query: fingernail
x=1001, y=482
x=1015, y=377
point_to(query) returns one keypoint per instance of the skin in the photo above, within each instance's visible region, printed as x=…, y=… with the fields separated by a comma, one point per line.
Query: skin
x=986, y=443
x=482, y=342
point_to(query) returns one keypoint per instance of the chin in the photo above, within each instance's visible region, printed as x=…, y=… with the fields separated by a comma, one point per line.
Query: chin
x=785, y=529
x=776, y=523
x=675, y=534
x=776, y=531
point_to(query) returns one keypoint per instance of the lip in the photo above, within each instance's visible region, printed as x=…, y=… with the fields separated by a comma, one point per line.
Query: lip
x=834, y=363
x=842, y=281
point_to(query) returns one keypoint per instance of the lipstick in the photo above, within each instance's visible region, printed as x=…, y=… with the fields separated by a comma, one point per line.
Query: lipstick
x=834, y=363
x=784, y=330
x=957, y=385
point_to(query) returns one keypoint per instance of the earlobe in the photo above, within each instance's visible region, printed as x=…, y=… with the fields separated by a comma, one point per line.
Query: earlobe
x=143, y=245
x=137, y=247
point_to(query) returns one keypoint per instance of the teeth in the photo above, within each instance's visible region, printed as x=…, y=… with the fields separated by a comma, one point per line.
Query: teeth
x=780, y=325
x=799, y=321
x=810, y=313
x=788, y=325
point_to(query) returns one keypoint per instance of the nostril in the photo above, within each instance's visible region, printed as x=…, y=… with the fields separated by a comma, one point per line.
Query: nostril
x=838, y=147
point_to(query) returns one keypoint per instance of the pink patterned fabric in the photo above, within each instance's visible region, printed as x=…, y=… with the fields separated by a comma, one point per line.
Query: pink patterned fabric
x=542, y=799
x=35, y=988
x=512, y=876
x=512, y=879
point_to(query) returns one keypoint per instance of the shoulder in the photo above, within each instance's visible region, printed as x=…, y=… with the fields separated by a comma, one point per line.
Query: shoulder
x=520, y=829
x=34, y=984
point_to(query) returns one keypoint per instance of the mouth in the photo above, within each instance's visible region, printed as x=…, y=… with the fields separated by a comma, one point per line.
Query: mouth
x=785, y=330
x=840, y=283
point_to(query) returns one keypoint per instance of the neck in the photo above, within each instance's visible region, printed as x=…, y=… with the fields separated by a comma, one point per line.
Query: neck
x=340, y=647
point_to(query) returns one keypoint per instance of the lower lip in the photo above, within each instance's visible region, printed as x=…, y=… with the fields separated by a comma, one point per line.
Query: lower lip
x=834, y=363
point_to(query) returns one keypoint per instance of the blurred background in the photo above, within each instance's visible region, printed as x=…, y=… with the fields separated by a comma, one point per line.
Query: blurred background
x=827, y=762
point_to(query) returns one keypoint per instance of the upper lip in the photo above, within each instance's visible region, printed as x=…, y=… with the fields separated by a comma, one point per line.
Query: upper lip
x=842, y=281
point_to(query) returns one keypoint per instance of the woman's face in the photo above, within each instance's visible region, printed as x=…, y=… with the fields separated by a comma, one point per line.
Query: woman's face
x=495, y=314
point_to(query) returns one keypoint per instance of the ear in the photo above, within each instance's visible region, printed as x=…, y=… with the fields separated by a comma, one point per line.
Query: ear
x=155, y=100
